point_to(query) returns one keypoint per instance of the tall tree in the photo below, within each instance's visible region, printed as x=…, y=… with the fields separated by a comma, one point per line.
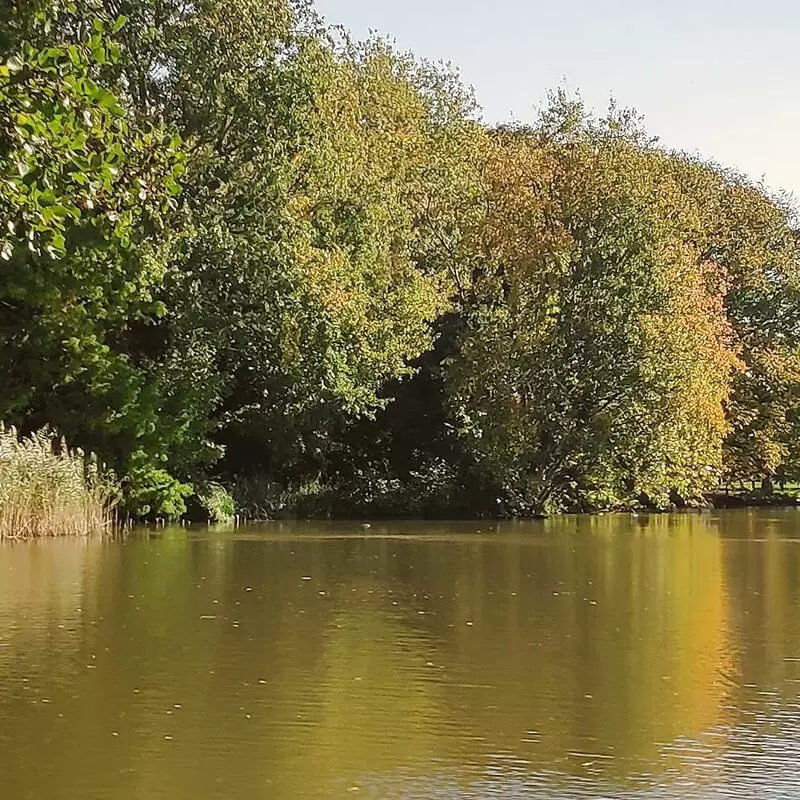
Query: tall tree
x=752, y=235
x=597, y=358
x=84, y=191
x=316, y=237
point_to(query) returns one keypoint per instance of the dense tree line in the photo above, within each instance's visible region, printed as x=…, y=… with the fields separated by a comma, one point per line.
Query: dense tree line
x=239, y=249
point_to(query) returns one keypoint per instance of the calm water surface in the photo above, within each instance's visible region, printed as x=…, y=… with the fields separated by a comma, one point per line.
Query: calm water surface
x=609, y=657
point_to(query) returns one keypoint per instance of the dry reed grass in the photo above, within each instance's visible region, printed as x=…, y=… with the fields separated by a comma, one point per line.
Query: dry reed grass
x=46, y=489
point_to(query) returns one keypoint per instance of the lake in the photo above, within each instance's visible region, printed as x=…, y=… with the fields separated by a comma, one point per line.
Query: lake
x=593, y=657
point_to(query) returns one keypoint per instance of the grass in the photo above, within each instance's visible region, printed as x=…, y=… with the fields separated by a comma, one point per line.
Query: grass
x=47, y=489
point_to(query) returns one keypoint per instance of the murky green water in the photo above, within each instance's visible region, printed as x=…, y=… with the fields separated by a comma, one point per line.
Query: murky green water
x=611, y=657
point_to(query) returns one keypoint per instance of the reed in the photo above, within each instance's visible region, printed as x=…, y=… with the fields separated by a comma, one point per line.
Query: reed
x=48, y=489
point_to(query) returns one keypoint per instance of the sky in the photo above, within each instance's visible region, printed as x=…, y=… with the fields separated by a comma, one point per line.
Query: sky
x=716, y=77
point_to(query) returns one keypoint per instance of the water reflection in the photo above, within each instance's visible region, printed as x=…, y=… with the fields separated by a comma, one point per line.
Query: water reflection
x=649, y=657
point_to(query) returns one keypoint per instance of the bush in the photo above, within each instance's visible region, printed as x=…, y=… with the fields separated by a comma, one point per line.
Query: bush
x=151, y=492
x=216, y=500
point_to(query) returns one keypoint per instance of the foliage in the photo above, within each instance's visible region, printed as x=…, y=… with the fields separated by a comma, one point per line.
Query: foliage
x=218, y=503
x=313, y=243
x=313, y=269
x=240, y=249
x=765, y=411
x=46, y=489
x=597, y=358
x=84, y=193
x=754, y=234
x=152, y=492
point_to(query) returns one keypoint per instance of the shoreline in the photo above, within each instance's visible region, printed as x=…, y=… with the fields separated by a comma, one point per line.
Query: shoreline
x=714, y=502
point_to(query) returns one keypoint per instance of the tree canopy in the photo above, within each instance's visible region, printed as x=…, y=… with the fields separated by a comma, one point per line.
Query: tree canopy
x=239, y=247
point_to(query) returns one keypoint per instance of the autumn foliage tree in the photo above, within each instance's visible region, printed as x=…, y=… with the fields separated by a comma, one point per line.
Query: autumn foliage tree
x=597, y=359
x=238, y=247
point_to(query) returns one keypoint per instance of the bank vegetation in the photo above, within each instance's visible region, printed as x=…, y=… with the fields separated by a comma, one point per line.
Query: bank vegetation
x=260, y=268
x=46, y=489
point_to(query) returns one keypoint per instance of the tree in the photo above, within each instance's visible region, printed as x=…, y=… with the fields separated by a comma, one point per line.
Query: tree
x=308, y=253
x=320, y=205
x=84, y=191
x=597, y=357
x=233, y=238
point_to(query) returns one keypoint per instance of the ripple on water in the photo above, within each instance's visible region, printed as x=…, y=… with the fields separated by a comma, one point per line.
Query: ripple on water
x=578, y=659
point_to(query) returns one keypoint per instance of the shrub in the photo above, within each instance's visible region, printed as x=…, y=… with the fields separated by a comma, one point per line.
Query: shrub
x=218, y=503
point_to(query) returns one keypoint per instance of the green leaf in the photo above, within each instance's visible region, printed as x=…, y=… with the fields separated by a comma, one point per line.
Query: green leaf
x=107, y=99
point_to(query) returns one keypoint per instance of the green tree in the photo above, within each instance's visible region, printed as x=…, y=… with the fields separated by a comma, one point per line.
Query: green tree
x=84, y=192
x=321, y=214
x=312, y=246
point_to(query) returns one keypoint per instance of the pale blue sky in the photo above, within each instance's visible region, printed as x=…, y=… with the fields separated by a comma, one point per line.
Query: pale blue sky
x=720, y=77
